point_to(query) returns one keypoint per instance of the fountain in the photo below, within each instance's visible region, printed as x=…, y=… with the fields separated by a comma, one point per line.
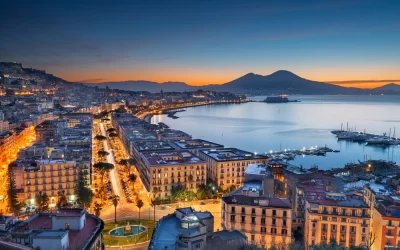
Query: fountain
x=128, y=230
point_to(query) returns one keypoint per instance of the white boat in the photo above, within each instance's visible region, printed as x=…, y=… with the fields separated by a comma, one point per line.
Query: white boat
x=378, y=140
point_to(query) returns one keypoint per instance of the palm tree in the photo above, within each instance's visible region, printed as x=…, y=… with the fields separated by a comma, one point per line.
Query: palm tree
x=139, y=205
x=97, y=209
x=154, y=204
x=115, y=200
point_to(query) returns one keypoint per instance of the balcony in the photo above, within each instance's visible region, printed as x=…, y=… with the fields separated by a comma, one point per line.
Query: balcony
x=390, y=225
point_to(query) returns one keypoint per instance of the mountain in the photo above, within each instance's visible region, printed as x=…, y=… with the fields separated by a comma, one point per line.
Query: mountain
x=286, y=82
x=391, y=88
x=280, y=82
x=146, y=86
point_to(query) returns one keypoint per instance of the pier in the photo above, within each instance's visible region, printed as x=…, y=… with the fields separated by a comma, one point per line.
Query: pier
x=288, y=155
x=369, y=139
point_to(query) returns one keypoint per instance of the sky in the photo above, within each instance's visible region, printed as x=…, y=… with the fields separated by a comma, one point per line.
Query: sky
x=353, y=43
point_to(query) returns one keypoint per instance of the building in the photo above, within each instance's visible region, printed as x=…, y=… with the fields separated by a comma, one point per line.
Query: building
x=160, y=171
x=264, y=220
x=173, y=135
x=139, y=147
x=65, y=229
x=386, y=224
x=188, y=229
x=332, y=216
x=226, y=166
x=195, y=145
x=50, y=177
x=49, y=131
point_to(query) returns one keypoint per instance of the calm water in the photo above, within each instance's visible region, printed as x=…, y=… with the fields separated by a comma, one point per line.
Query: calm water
x=261, y=127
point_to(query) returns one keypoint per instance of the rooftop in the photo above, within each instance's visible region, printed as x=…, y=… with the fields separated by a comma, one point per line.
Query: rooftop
x=258, y=169
x=236, y=197
x=196, y=144
x=152, y=145
x=231, y=154
x=51, y=234
x=176, y=157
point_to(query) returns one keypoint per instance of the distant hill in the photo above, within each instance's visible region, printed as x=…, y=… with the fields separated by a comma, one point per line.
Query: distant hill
x=391, y=88
x=146, y=86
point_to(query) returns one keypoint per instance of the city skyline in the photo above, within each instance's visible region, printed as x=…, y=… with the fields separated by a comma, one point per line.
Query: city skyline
x=352, y=44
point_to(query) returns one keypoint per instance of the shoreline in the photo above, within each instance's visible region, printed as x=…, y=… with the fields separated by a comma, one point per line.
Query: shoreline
x=149, y=114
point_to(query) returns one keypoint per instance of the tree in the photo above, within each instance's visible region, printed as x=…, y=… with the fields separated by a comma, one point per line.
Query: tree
x=83, y=192
x=102, y=153
x=103, y=168
x=115, y=200
x=100, y=137
x=126, y=164
x=132, y=178
x=97, y=208
x=63, y=199
x=13, y=203
x=43, y=201
x=110, y=130
x=139, y=205
x=113, y=135
x=154, y=204
x=178, y=192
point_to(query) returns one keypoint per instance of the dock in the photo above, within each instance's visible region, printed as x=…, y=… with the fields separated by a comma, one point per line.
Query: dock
x=288, y=155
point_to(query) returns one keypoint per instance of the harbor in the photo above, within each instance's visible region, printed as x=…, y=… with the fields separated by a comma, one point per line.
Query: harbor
x=288, y=155
x=370, y=139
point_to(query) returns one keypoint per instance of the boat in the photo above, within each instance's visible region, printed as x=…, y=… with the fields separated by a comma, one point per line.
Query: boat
x=378, y=140
x=278, y=99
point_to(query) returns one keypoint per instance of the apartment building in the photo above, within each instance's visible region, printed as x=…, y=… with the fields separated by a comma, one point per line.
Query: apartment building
x=263, y=220
x=68, y=228
x=333, y=216
x=386, y=224
x=162, y=170
x=195, y=145
x=48, y=176
x=226, y=166
x=173, y=135
x=141, y=146
x=187, y=229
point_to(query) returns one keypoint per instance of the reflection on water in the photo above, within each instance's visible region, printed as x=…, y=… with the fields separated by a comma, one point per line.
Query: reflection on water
x=261, y=127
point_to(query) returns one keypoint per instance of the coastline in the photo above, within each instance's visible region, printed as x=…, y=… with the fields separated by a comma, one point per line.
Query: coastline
x=149, y=114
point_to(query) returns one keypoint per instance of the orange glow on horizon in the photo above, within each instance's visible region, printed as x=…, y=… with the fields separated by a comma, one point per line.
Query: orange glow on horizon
x=195, y=77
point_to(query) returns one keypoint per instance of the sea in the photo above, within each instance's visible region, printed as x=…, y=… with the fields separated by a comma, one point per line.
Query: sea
x=264, y=127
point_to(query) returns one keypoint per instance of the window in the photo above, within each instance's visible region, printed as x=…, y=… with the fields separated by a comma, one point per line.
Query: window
x=273, y=212
x=232, y=218
x=273, y=222
x=253, y=210
x=262, y=221
x=243, y=219
x=253, y=220
x=233, y=209
x=243, y=210
x=284, y=213
x=263, y=229
x=284, y=223
x=263, y=211
x=66, y=226
x=324, y=218
x=284, y=231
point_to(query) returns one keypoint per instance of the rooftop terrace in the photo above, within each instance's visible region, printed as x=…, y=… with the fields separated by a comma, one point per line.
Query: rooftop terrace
x=196, y=144
x=231, y=154
x=152, y=145
x=176, y=157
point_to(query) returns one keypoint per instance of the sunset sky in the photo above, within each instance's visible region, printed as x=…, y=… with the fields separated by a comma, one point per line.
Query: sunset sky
x=352, y=43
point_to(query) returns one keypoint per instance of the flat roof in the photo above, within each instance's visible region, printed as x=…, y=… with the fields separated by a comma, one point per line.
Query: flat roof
x=196, y=144
x=152, y=145
x=165, y=158
x=51, y=234
x=258, y=169
x=231, y=154
x=236, y=197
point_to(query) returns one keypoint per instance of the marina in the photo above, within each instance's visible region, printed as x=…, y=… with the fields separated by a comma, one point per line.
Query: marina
x=369, y=139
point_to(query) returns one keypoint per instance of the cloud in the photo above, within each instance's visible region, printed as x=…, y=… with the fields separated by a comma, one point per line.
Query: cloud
x=351, y=82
